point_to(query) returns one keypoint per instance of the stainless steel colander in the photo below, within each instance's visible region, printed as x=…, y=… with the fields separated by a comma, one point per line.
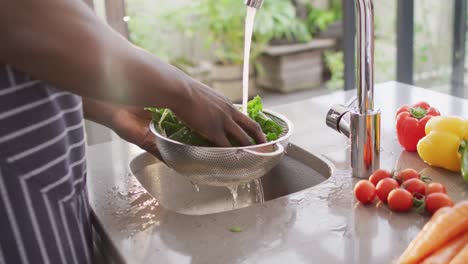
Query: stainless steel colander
x=224, y=166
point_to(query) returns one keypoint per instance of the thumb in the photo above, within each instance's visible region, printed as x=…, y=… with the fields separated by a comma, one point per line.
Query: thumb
x=149, y=144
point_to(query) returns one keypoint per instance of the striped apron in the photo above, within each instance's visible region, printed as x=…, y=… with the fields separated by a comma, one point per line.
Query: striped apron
x=44, y=210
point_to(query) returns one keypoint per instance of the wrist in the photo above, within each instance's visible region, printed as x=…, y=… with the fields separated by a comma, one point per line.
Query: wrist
x=183, y=94
x=156, y=83
x=99, y=112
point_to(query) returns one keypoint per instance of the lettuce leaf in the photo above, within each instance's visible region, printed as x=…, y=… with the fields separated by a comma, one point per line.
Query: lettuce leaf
x=271, y=129
x=254, y=107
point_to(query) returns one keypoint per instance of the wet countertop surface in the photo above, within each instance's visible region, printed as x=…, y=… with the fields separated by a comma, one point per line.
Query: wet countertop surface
x=321, y=224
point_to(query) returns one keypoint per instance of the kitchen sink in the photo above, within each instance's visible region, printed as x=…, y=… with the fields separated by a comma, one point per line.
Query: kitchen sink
x=298, y=170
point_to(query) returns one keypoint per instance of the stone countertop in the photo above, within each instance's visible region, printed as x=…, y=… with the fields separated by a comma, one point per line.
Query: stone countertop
x=322, y=224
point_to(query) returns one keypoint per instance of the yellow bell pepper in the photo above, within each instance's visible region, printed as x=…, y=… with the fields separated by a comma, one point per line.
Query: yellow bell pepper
x=446, y=144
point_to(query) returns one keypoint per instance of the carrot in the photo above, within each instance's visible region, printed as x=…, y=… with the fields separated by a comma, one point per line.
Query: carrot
x=446, y=253
x=443, y=227
x=427, y=226
x=461, y=257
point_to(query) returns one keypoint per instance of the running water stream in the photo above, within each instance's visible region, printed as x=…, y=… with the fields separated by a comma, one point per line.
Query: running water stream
x=233, y=190
x=260, y=196
x=249, y=24
x=258, y=191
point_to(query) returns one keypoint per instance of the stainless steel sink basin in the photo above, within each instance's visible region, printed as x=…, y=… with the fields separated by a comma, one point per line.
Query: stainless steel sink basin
x=298, y=170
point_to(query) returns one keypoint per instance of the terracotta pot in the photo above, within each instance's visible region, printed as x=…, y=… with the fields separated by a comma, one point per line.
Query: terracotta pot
x=288, y=68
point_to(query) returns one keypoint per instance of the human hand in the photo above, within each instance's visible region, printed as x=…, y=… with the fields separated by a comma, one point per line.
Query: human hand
x=213, y=116
x=130, y=123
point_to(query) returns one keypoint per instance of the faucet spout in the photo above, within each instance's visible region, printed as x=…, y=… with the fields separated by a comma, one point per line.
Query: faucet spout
x=254, y=3
x=362, y=123
x=365, y=55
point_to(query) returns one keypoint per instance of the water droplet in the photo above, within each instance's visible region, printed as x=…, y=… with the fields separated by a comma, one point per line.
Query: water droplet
x=196, y=186
x=123, y=193
x=115, y=188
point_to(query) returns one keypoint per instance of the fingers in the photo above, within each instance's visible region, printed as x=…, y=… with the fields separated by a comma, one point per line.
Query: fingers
x=149, y=144
x=249, y=125
x=221, y=140
x=238, y=134
x=138, y=111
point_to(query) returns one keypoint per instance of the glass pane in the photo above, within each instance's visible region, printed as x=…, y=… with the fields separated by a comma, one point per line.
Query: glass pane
x=433, y=44
x=385, y=40
x=296, y=47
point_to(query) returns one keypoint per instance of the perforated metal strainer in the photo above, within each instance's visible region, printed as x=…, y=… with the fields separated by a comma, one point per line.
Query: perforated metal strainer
x=224, y=166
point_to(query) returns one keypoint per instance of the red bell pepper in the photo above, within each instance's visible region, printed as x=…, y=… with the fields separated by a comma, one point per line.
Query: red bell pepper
x=410, y=123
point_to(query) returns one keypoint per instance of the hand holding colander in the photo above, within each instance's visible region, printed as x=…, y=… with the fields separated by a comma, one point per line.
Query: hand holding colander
x=224, y=166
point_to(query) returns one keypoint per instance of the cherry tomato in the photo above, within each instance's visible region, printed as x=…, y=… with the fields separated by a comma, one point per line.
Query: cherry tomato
x=435, y=187
x=415, y=186
x=384, y=187
x=364, y=191
x=407, y=174
x=435, y=201
x=400, y=200
x=378, y=175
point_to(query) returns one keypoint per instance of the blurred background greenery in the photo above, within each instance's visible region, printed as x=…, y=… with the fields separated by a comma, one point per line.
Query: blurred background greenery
x=197, y=33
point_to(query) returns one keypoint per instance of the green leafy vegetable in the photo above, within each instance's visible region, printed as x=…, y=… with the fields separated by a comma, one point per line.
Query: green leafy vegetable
x=254, y=107
x=235, y=229
x=169, y=126
x=271, y=136
x=156, y=113
x=271, y=129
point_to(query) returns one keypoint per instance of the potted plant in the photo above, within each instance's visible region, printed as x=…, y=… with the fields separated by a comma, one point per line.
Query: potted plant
x=335, y=65
x=326, y=23
x=221, y=24
x=143, y=32
x=294, y=59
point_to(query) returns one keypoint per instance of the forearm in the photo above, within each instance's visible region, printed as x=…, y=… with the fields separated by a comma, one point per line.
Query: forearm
x=64, y=43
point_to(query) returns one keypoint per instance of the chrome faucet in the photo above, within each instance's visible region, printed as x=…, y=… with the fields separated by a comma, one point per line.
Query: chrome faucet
x=362, y=123
x=254, y=3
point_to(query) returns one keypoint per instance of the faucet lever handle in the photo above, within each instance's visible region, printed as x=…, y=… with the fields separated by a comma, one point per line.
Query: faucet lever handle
x=337, y=119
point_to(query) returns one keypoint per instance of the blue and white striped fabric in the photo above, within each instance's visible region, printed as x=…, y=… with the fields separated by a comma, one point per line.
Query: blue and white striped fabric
x=44, y=210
